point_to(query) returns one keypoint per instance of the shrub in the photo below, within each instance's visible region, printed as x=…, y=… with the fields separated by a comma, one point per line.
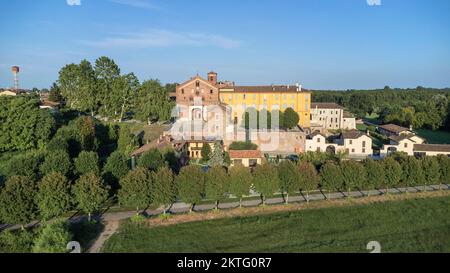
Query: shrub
x=53, y=238
x=243, y=145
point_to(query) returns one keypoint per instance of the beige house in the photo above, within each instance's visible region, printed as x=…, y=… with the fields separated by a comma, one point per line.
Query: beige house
x=355, y=143
x=401, y=143
x=248, y=158
x=331, y=116
x=7, y=92
x=348, y=121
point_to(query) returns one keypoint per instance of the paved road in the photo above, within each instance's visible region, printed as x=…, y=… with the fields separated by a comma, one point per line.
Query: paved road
x=181, y=207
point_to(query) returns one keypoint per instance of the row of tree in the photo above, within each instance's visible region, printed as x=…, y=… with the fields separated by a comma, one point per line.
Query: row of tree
x=103, y=89
x=22, y=200
x=420, y=107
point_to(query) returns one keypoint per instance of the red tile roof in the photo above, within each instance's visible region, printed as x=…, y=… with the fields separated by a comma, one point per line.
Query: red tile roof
x=245, y=154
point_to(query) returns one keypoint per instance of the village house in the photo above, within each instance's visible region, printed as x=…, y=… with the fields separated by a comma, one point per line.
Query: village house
x=11, y=92
x=248, y=158
x=355, y=143
x=330, y=116
x=401, y=143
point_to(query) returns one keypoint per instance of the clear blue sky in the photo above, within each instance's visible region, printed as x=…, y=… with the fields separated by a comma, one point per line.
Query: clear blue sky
x=324, y=44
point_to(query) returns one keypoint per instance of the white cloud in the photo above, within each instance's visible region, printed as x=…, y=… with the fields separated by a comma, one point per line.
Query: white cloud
x=374, y=2
x=73, y=2
x=135, y=3
x=164, y=38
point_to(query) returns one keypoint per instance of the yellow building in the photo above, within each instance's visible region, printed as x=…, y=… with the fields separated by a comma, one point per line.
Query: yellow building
x=276, y=97
x=194, y=149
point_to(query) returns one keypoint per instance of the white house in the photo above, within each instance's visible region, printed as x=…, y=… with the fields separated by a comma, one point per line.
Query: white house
x=355, y=143
x=401, y=143
x=331, y=116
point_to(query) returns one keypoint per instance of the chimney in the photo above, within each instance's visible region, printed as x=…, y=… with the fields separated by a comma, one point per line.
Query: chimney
x=212, y=77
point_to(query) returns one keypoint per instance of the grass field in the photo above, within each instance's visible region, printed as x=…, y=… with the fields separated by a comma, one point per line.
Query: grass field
x=435, y=137
x=415, y=225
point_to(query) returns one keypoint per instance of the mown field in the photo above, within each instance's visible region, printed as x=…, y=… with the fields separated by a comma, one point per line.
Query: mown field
x=416, y=225
x=435, y=137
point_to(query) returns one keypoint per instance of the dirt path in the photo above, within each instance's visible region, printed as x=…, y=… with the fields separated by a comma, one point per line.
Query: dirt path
x=110, y=228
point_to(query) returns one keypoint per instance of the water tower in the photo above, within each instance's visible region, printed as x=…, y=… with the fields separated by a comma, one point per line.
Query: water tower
x=15, y=70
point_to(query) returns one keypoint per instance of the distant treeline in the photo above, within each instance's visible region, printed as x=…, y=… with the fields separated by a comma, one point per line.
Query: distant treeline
x=420, y=107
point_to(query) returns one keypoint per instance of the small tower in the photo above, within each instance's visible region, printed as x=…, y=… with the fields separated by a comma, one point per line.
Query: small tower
x=15, y=70
x=212, y=77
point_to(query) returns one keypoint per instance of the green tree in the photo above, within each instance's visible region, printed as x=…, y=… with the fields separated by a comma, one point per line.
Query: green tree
x=55, y=93
x=16, y=241
x=375, y=174
x=23, y=125
x=289, y=177
x=216, y=184
x=412, y=172
x=206, y=152
x=317, y=158
x=243, y=145
x=153, y=102
x=116, y=167
x=291, y=118
x=78, y=86
x=217, y=157
x=226, y=159
x=266, y=181
x=331, y=177
x=17, y=201
x=354, y=175
x=190, y=184
x=57, y=143
x=86, y=130
x=53, y=238
x=57, y=161
x=87, y=162
x=90, y=193
x=163, y=189
x=106, y=72
x=393, y=172
x=127, y=142
x=431, y=170
x=240, y=181
x=136, y=189
x=444, y=168
x=124, y=90
x=53, y=197
x=24, y=164
x=309, y=179
x=152, y=160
